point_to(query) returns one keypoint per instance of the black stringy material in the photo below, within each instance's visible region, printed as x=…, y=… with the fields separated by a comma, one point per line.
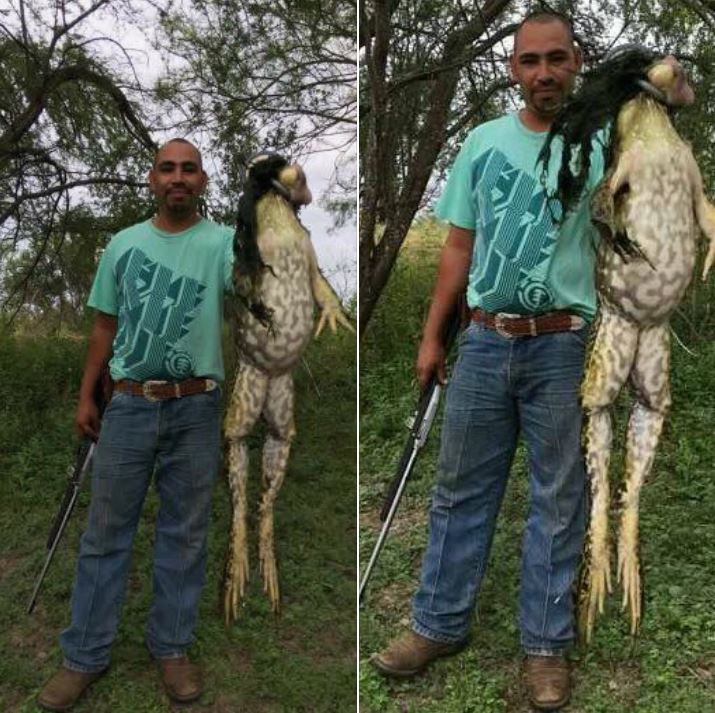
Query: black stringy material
x=603, y=92
x=248, y=263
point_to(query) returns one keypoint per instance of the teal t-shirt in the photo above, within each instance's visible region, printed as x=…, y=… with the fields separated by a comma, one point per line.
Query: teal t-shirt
x=522, y=262
x=166, y=290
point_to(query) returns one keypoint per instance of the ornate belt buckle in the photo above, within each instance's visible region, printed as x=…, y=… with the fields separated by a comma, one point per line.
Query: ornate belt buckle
x=147, y=387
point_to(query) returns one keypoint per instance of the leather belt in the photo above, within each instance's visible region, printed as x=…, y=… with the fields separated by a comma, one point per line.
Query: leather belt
x=162, y=390
x=514, y=325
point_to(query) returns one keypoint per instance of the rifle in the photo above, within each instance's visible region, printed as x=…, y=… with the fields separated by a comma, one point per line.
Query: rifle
x=83, y=460
x=419, y=430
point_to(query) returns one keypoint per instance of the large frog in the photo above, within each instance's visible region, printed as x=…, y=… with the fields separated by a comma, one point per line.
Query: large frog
x=277, y=287
x=648, y=209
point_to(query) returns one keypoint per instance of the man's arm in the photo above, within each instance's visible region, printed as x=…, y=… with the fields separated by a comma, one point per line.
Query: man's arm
x=100, y=349
x=451, y=282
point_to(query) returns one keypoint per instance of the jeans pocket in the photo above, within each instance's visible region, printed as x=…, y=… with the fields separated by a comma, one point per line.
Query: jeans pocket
x=118, y=397
x=581, y=335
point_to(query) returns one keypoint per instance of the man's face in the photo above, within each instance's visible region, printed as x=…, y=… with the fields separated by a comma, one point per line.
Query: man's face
x=544, y=64
x=177, y=179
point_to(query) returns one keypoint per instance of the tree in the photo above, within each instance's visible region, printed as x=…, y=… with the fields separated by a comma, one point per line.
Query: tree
x=279, y=76
x=69, y=136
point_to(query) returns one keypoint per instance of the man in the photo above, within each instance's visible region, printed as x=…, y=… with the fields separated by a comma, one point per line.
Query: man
x=530, y=289
x=158, y=293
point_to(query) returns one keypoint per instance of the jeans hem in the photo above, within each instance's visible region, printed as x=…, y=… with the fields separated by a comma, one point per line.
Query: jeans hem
x=166, y=657
x=433, y=636
x=79, y=668
x=173, y=654
x=541, y=651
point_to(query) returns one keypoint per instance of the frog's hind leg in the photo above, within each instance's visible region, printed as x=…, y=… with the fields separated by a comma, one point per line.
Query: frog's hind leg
x=608, y=367
x=651, y=381
x=247, y=399
x=278, y=413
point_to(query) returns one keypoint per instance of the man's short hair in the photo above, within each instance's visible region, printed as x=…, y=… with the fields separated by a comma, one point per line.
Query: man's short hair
x=543, y=16
x=177, y=140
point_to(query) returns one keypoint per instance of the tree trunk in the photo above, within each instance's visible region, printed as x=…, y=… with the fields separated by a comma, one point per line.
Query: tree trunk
x=379, y=205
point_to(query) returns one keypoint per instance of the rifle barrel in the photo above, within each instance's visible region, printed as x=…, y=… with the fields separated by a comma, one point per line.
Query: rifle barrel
x=63, y=516
x=421, y=425
x=386, y=524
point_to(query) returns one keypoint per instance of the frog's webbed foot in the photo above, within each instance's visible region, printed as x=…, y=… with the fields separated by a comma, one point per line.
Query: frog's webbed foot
x=597, y=581
x=332, y=314
x=278, y=413
x=629, y=566
x=267, y=557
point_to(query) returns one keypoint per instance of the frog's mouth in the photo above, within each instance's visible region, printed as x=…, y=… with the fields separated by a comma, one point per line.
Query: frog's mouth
x=656, y=93
x=281, y=189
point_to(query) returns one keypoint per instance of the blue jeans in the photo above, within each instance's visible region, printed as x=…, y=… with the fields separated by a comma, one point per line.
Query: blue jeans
x=181, y=437
x=501, y=386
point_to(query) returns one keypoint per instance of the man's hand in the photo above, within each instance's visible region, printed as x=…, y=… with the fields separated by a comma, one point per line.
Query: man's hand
x=87, y=419
x=430, y=360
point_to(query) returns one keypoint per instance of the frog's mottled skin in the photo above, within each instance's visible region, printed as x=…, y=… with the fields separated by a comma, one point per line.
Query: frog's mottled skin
x=264, y=382
x=660, y=206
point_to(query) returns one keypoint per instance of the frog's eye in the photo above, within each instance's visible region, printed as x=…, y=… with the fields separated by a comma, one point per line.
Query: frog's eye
x=662, y=75
x=289, y=176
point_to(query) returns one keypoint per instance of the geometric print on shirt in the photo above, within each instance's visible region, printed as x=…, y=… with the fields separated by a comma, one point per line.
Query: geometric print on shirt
x=517, y=235
x=155, y=314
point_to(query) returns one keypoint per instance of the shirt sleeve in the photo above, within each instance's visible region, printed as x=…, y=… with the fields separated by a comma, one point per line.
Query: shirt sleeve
x=456, y=204
x=103, y=295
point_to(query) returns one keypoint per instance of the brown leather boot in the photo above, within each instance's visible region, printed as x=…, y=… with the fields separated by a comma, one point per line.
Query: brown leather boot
x=547, y=681
x=181, y=679
x=63, y=690
x=411, y=653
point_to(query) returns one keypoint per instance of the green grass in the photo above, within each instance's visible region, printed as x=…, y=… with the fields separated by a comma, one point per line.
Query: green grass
x=303, y=660
x=669, y=668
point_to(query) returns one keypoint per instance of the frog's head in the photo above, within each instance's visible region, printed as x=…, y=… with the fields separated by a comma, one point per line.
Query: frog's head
x=669, y=78
x=292, y=179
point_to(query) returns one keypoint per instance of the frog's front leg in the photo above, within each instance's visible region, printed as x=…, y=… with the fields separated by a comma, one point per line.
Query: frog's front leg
x=332, y=311
x=705, y=213
x=606, y=209
x=247, y=399
x=651, y=381
x=608, y=367
x=278, y=414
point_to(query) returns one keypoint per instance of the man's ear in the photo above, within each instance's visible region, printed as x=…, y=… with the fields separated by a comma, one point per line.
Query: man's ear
x=204, y=180
x=579, y=57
